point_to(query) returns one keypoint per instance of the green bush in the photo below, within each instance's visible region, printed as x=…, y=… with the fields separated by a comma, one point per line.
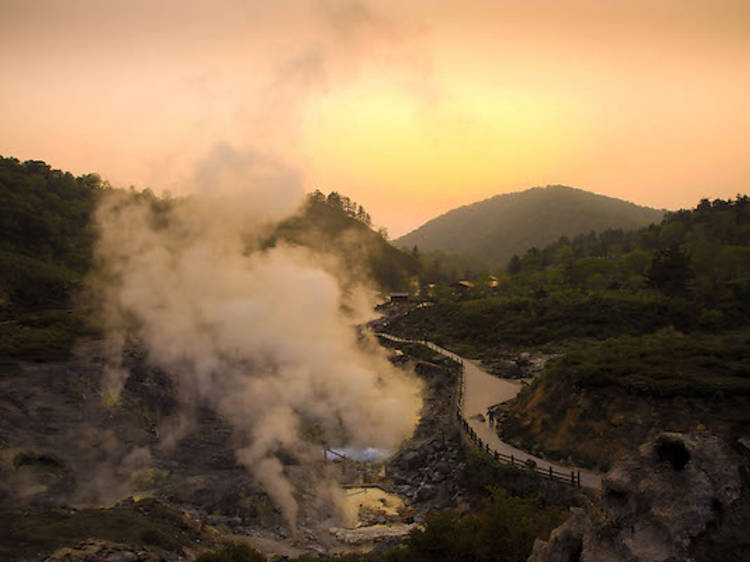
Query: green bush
x=29, y=283
x=525, y=321
x=504, y=529
x=42, y=336
x=662, y=364
x=483, y=474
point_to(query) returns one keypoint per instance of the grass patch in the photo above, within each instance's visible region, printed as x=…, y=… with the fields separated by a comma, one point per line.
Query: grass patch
x=47, y=335
x=473, y=326
x=662, y=364
x=27, y=531
x=504, y=529
x=483, y=474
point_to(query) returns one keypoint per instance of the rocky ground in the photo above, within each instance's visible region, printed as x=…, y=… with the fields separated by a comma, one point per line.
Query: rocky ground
x=514, y=365
x=72, y=463
x=682, y=497
x=428, y=470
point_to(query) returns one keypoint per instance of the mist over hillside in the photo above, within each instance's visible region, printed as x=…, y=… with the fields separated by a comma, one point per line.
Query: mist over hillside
x=47, y=236
x=495, y=229
x=237, y=303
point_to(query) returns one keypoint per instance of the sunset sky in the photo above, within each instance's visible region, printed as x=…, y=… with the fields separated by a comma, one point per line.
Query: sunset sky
x=409, y=107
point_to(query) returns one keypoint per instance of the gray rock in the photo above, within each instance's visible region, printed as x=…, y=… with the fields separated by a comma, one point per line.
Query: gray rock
x=510, y=370
x=565, y=543
x=444, y=467
x=680, y=495
x=412, y=459
x=426, y=492
x=399, y=479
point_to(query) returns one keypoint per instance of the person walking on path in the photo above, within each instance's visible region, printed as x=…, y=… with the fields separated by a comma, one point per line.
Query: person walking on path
x=491, y=415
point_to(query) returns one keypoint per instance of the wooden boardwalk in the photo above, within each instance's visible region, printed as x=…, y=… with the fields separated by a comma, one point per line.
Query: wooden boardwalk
x=478, y=391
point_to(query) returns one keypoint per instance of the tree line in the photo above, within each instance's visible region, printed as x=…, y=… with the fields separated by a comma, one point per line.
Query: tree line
x=343, y=203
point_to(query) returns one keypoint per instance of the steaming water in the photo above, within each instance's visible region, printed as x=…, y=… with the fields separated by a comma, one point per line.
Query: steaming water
x=370, y=454
x=374, y=498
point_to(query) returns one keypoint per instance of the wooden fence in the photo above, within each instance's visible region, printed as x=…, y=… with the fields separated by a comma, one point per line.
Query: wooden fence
x=551, y=473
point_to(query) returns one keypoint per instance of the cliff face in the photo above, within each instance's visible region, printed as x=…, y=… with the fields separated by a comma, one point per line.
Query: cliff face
x=596, y=427
x=681, y=497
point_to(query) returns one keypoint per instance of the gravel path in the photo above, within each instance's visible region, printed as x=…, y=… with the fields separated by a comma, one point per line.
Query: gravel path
x=482, y=390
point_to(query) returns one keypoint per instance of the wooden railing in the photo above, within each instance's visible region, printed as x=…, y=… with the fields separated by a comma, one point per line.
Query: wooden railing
x=573, y=478
x=551, y=473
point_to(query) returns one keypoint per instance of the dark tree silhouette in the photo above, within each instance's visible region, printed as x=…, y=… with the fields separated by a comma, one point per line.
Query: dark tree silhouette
x=671, y=271
x=514, y=265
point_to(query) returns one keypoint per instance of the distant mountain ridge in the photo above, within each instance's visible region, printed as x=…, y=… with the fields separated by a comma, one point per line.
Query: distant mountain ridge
x=495, y=229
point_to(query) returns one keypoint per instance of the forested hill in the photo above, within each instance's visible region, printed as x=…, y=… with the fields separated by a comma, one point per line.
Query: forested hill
x=494, y=229
x=335, y=224
x=46, y=247
x=46, y=238
x=650, y=329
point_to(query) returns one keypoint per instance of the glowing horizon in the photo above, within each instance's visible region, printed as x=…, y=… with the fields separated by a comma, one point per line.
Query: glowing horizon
x=410, y=110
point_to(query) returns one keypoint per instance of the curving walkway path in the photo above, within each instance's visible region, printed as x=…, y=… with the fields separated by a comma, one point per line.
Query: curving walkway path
x=482, y=390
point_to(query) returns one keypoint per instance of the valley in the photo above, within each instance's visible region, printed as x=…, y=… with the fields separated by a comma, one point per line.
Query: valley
x=252, y=401
x=374, y=281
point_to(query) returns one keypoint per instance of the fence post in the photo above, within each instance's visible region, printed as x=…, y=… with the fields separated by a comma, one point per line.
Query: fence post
x=550, y=472
x=512, y=461
x=497, y=456
x=572, y=478
x=579, y=478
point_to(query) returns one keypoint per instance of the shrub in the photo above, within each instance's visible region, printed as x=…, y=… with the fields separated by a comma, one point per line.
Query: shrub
x=504, y=529
x=662, y=364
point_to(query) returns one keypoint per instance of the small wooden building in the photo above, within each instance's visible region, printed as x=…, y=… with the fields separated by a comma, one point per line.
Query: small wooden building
x=462, y=287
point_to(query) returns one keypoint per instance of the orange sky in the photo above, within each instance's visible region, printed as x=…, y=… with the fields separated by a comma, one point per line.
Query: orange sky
x=411, y=108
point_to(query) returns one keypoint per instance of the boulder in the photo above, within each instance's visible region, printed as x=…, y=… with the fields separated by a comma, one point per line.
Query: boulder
x=565, y=543
x=681, y=497
x=444, y=467
x=426, y=492
x=510, y=370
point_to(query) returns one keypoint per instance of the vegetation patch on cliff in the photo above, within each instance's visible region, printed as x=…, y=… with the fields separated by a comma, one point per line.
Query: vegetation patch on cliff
x=619, y=392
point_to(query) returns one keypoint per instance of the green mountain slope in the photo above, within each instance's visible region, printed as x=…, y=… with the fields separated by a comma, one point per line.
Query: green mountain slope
x=650, y=329
x=327, y=227
x=495, y=229
x=45, y=239
x=46, y=251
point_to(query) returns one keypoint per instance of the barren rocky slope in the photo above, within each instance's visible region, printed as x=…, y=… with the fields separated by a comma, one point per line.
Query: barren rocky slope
x=73, y=467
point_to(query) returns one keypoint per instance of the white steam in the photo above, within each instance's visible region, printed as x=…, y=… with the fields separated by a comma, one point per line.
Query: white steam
x=261, y=336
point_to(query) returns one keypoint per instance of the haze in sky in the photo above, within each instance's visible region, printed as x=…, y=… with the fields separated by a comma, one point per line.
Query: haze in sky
x=411, y=108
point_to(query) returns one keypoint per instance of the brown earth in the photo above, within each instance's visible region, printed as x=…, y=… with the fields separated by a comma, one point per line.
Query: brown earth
x=71, y=463
x=595, y=427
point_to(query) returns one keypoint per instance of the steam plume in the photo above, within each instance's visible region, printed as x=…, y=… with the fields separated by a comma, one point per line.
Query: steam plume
x=259, y=335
